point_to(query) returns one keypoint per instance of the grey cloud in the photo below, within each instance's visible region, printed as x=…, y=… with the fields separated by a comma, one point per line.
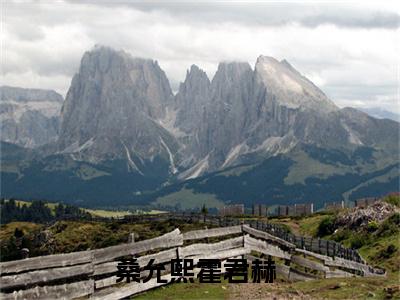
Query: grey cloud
x=27, y=33
x=358, y=20
x=266, y=14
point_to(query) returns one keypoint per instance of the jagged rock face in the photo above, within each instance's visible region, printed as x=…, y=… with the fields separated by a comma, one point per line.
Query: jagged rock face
x=248, y=114
x=29, y=117
x=362, y=129
x=226, y=118
x=213, y=115
x=191, y=100
x=112, y=106
x=120, y=107
x=251, y=115
x=289, y=87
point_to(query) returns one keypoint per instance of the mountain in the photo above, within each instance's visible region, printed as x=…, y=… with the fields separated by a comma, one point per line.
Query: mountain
x=380, y=113
x=289, y=87
x=112, y=110
x=252, y=115
x=266, y=134
x=29, y=117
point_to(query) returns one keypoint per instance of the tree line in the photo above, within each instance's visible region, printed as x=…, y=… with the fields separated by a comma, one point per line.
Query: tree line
x=38, y=212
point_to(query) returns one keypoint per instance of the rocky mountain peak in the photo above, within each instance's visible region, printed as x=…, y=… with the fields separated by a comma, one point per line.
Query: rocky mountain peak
x=196, y=80
x=231, y=81
x=231, y=71
x=191, y=99
x=195, y=71
x=144, y=77
x=113, y=104
x=289, y=87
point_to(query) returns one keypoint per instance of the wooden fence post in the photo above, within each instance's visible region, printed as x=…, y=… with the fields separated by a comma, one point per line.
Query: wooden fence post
x=319, y=245
x=131, y=237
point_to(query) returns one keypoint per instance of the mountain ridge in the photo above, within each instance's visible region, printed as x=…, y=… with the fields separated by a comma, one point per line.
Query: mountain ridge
x=122, y=126
x=29, y=117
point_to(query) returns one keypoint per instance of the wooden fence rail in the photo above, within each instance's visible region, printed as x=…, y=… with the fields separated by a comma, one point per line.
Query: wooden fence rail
x=92, y=274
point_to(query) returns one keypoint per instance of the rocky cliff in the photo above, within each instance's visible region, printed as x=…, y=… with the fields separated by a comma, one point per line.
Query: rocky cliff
x=112, y=110
x=29, y=117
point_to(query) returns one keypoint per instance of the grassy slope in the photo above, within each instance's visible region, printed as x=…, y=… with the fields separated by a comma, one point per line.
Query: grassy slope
x=8, y=230
x=335, y=288
x=70, y=236
x=301, y=226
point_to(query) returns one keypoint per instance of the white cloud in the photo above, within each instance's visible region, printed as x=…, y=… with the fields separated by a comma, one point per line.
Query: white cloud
x=351, y=53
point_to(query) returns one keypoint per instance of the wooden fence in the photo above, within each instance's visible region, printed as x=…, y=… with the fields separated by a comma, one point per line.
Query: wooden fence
x=92, y=274
x=321, y=246
x=326, y=247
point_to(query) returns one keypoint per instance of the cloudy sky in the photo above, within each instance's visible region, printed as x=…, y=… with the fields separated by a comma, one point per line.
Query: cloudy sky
x=349, y=49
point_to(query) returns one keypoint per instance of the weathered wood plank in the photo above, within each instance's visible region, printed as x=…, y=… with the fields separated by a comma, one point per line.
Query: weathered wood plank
x=203, y=248
x=105, y=282
x=281, y=270
x=344, y=263
x=312, y=254
x=44, y=262
x=43, y=276
x=352, y=265
x=64, y=291
x=160, y=257
x=223, y=254
x=168, y=240
x=264, y=247
x=129, y=289
x=309, y=264
x=200, y=234
x=338, y=273
x=267, y=236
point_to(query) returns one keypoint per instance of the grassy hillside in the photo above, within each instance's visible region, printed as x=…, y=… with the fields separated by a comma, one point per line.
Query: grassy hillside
x=380, y=243
x=70, y=236
x=377, y=241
